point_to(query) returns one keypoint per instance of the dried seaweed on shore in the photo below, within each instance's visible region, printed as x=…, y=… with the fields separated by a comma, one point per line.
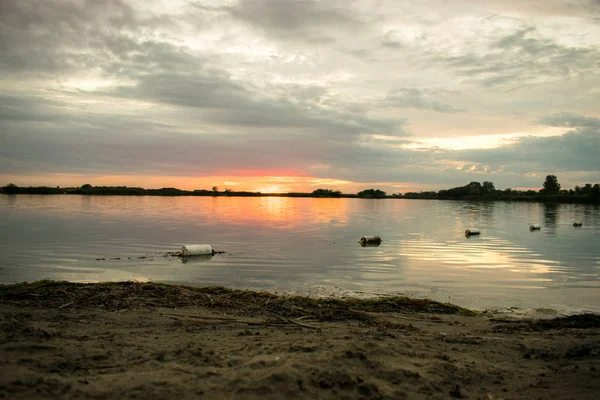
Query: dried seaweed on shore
x=127, y=295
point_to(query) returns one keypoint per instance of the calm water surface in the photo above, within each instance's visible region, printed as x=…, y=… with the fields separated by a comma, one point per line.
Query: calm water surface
x=311, y=246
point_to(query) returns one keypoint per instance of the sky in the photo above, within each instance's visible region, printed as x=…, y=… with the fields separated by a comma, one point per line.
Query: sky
x=294, y=95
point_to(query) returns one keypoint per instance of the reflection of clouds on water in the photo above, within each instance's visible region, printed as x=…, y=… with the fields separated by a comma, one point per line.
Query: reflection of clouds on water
x=279, y=212
x=490, y=254
x=266, y=212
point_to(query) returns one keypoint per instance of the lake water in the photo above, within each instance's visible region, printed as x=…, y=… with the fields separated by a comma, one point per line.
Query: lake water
x=310, y=246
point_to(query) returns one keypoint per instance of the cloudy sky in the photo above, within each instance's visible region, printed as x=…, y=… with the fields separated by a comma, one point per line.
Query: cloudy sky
x=292, y=95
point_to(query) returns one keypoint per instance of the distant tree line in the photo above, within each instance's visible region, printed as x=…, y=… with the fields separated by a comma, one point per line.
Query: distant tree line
x=88, y=189
x=551, y=191
x=11, y=188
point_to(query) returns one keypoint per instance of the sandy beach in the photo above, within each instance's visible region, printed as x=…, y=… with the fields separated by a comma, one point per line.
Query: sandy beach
x=151, y=341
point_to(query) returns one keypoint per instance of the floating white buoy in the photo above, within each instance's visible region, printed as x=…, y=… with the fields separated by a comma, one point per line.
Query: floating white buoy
x=369, y=240
x=470, y=232
x=534, y=227
x=577, y=224
x=190, y=250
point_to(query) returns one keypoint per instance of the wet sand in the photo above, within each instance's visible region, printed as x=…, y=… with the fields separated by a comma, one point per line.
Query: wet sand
x=151, y=341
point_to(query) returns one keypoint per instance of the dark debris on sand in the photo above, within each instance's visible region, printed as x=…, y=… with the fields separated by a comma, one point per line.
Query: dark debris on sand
x=128, y=295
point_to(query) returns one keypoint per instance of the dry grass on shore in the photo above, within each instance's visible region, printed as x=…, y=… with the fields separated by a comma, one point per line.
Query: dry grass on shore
x=129, y=295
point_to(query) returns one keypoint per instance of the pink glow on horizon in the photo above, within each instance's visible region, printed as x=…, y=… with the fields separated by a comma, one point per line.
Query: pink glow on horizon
x=267, y=183
x=274, y=183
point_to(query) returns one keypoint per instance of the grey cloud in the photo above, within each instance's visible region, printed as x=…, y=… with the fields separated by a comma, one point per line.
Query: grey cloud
x=59, y=38
x=27, y=109
x=163, y=72
x=423, y=99
x=310, y=21
x=560, y=59
x=593, y=7
x=169, y=74
x=390, y=41
x=31, y=111
x=519, y=59
x=570, y=120
x=66, y=150
x=42, y=36
x=574, y=151
x=231, y=104
x=517, y=39
x=301, y=17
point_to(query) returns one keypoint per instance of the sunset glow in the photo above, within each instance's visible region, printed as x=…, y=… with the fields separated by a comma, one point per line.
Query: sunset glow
x=285, y=96
x=263, y=184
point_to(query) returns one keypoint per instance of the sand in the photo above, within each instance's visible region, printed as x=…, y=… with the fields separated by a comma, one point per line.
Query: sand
x=148, y=341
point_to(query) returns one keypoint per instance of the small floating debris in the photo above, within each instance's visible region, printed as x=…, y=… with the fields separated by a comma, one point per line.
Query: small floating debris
x=534, y=227
x=577, y=224
x=370, y=241
x=472, y=232
x=190, y=250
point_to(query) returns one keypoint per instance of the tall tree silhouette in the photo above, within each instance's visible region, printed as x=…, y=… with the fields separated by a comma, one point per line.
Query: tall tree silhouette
x=551, y=184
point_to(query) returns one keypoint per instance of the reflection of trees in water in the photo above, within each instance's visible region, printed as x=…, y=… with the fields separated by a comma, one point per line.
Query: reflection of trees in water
x=480, y=214
x=12, y=199
x=86, y=202
x=591, y=212
x=487, y=210
x=550, y=211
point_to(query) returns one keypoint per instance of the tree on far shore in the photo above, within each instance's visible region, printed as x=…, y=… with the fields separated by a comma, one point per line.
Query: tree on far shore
x=488, y=187
x=326, y=193
x=551, y=184
x=372, y=193
x=11, y=188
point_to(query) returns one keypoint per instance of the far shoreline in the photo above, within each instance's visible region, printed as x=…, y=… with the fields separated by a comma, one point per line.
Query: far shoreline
x=521, y=197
